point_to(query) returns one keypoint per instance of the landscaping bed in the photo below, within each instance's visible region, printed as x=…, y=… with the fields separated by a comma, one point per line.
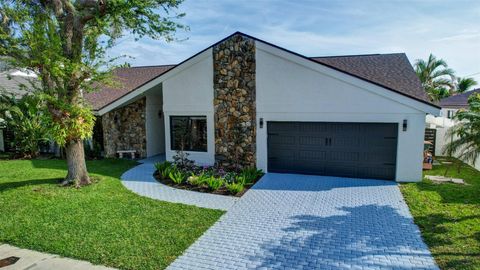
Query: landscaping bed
x=448, y=214
x=209, y=179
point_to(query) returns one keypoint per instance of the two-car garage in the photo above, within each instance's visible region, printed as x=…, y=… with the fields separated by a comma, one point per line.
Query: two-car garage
x=360, y=150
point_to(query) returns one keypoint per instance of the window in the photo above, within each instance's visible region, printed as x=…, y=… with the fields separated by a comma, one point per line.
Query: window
x=188, y=133
x=450, y=114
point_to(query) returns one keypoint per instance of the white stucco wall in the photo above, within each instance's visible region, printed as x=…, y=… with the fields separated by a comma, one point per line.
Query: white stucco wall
x=2, y=144
x=190, y=92
x=288, y=91
x=155, y=126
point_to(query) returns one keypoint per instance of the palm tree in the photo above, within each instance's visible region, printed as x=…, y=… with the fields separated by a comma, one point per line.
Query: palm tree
x=436, y=77
x=464, y=84
x=465, y=134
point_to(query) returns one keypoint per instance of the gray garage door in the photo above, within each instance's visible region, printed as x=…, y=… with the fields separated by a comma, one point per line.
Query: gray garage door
x=359, y=150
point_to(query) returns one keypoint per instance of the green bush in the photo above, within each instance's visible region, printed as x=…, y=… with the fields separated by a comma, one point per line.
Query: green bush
x=177, y=176
x=164, y=168
x=25, y=118
x=240, y=179
x=196, y=180
x=250, y=174
x=214, y=183
x=235, y=188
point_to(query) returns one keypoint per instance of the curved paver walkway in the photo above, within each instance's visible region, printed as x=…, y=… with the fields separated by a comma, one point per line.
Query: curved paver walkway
x=313, y=222
x=141, y=181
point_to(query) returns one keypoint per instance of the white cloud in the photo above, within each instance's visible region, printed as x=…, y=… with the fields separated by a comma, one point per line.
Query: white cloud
x=444, y=28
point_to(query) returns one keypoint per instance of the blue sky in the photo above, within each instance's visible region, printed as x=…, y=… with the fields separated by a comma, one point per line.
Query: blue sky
x=448, y=29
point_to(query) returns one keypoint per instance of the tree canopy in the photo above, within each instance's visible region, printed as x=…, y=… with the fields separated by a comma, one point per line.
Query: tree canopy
x=438, y=80
x=436, y=77
x=65, y=42
x=466, y=133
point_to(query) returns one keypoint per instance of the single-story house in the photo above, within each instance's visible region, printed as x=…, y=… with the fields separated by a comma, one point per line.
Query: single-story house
x=440, y=125
x=246, y=101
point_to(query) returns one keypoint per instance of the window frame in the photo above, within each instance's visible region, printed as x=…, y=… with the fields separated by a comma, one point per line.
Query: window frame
x=450, y=114
x=172, y=131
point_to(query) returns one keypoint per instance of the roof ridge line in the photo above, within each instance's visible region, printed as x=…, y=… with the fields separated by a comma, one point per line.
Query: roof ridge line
x=355, y=55
x=148, y=66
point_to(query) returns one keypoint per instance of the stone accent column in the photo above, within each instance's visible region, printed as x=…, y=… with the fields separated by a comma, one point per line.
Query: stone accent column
x=124, y=129
x=234, y=102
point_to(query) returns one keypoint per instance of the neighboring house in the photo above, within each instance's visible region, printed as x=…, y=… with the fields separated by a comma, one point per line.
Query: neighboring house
x=248, y=100
x=12, y=82
x=442, y=123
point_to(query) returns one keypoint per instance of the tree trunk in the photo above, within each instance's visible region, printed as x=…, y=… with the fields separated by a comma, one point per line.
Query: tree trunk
x=77, y=169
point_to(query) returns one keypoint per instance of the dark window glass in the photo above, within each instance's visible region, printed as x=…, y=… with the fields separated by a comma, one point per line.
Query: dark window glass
x=450, y=114
x=188, y=133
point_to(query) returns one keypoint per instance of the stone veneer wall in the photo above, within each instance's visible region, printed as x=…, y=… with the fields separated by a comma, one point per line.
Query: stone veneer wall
x=124, y=129
x=234, y=101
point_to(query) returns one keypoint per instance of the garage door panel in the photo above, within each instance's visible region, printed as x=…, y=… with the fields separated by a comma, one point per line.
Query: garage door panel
x=343, y=156
x=363, y=150
x=312, y=156
x=312, y=141
x=312, y=128
x=282, y=139
x=345, y=142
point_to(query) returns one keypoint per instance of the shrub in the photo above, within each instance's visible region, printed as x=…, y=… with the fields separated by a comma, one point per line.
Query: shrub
x=197, y=180
x=164, y=168
x=25, y=119
x=214, y=183
x=181, y=160
x=250, y=174
x=230, y=177
x=177, y=176
x=240, y=179
x=234, y=188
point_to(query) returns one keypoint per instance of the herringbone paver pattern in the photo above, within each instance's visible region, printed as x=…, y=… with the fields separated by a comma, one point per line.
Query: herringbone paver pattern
x=313, y=222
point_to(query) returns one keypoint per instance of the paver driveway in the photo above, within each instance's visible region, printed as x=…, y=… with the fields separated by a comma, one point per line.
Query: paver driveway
x=291, y=221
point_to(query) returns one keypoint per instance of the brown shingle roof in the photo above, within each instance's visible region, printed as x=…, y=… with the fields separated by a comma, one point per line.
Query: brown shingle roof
x=128, y=79
x=458, y=101
x=392, y=71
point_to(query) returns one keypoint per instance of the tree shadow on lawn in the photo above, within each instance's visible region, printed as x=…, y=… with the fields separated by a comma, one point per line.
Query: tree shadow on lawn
x=452, y=193
x=105, y=167
x=32, y=182
x=435, y=228
x=368, y=236
x=437, y=234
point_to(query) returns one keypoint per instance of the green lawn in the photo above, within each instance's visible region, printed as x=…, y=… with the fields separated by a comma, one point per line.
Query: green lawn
x=449, y=217
x=103, y=223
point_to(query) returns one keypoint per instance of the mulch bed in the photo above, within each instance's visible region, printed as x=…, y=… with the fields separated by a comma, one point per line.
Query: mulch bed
x=185, y=185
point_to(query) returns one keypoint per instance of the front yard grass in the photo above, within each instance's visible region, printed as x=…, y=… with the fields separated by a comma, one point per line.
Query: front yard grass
x=103, y=223
x=449, y=216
